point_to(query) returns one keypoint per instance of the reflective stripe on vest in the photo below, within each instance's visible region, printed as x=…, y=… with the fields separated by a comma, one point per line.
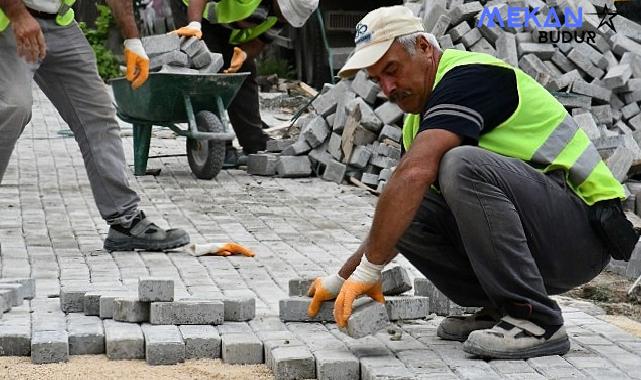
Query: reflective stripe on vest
x=540, y=131
x=64, y=16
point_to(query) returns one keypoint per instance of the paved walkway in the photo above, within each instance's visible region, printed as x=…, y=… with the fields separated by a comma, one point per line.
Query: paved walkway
x=50, y=229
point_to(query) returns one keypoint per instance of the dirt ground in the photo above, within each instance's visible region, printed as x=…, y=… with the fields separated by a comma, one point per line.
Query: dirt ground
x=609, y=291
x=100, y=367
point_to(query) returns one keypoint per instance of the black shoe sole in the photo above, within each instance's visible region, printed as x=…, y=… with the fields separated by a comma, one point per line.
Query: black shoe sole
x=135, y=243
x=557, y=347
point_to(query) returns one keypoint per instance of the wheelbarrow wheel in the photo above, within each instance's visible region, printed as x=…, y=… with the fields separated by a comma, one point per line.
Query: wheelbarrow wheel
x=206, y=157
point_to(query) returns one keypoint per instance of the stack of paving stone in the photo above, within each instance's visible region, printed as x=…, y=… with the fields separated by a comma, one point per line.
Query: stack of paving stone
x=355, y=130
x=146, y=324
x=368, y=316
x=169, y=53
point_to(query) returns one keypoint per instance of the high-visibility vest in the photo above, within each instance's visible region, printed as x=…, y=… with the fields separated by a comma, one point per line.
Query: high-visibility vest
x=540, y=132
x=230, y=11
x=64, y=15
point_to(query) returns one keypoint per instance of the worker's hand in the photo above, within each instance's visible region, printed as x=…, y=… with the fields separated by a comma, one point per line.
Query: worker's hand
x=323, y=289
x=237, y=60
x=193, y=29
x=30, y=42
x=366, y=280
x=137, y=62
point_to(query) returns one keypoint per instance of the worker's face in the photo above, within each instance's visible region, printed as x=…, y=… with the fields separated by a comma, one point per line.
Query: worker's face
x=407, y=79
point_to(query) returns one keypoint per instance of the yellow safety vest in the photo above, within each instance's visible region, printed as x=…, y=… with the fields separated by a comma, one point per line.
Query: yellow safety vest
x=64, y=16
x=540, y=131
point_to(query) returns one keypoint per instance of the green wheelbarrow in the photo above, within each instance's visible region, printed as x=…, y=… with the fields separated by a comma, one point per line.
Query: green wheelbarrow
x=200, y=100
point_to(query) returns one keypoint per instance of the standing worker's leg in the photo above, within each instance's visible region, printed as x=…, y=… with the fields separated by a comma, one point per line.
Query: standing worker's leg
x=15, y=96
x=69, y=78
x=244, y=111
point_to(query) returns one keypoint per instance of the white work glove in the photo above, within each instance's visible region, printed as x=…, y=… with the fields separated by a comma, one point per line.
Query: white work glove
x=193, y=29
x=137, y=62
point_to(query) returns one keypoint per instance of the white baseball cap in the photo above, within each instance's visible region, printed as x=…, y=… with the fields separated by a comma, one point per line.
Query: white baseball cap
x=375, y=34
x=296, y=12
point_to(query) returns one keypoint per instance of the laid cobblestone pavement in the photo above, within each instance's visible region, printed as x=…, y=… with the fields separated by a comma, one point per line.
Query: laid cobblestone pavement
x=50, y=229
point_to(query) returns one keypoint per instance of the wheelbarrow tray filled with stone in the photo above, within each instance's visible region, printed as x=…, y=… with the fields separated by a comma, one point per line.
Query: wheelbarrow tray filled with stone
x=167, y=99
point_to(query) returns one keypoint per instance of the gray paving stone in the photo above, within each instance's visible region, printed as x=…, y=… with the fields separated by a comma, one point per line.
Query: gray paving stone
x=187, y=313
x=395, y=280
x=130, y=309
x=28, y=290
x=389, y=113
x=293, y=166
x=271, y=343
x=239, y=309
x=336, y=364
x=295, y=309
x=15, y=334
x=241, y=348
x=49, y=347
x=72, y=300
x=364, y=87
x=163, y=344
x=380, y=367
x=123, y=340
x=107, y=302
x=406, y=307
x=201, y=341
x=92, y=302
x=293, y=363
x=12, y=294
x=316, y=132
x=367, y=318
x=262, y=164
x=86, y=335
x=160, y=43
x=155, y=289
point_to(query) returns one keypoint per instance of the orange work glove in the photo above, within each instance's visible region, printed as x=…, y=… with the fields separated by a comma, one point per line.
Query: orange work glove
x=191, y=30
x=366, y=280
x=137, y=62
x=237, y=60
x=219, y=249
x=323, y=289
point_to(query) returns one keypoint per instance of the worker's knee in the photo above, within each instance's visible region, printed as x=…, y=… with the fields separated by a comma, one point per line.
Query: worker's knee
x=458, y=166
x=15, y=113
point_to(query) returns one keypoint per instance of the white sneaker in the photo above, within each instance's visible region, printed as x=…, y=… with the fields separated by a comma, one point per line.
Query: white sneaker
x=514, y=338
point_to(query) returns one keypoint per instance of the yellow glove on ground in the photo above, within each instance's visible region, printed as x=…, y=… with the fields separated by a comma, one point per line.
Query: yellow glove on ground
x=219, y=249
x=366, y=280
x=137, y=62
x=237, y=60
x=191, y=30
x=323, y=289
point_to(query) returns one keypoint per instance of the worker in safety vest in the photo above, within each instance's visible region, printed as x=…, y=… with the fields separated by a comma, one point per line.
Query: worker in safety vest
x=499, y=199
x=39, y=40
x=240, y=29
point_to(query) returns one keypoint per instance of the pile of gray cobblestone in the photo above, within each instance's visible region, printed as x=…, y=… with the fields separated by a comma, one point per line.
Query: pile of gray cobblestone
x=354, y=131
x=169, y=53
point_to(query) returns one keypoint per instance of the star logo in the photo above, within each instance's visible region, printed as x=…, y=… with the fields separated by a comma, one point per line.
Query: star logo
x=606, y=16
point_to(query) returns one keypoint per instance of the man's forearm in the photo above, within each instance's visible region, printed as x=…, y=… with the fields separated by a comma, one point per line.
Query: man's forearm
x=123, y=11
x=195, y=10
x=12, y=8
x=352, y=262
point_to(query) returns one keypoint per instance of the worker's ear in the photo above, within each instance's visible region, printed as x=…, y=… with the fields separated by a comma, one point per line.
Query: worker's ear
x=422, y=45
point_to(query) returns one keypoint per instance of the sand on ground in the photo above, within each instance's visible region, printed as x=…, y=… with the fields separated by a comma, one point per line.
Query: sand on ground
x=86, y=367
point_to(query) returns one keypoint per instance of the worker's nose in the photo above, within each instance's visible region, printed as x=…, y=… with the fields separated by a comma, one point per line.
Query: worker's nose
x=388, y=85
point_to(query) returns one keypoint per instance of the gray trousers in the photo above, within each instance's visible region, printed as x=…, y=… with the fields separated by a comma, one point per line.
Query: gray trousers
x=502, y=234
x=69, y=78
